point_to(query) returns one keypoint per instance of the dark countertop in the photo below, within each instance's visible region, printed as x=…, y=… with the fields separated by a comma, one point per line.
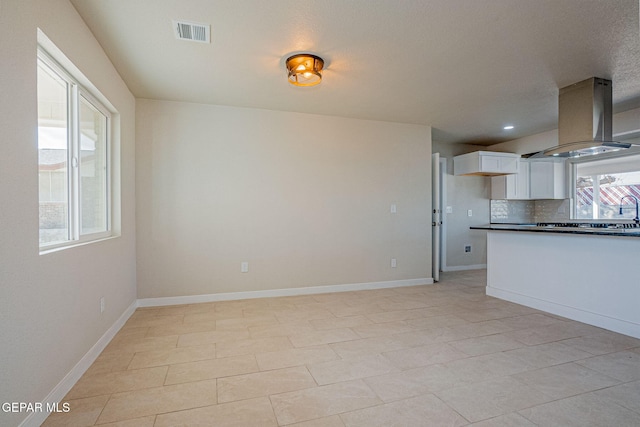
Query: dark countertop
x=623, y=232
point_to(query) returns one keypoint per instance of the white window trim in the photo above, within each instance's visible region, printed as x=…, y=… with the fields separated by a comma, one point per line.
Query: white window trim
x=76, y=91
x=573, y=167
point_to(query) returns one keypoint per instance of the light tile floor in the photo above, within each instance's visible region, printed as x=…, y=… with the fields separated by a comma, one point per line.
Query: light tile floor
x=437, y=355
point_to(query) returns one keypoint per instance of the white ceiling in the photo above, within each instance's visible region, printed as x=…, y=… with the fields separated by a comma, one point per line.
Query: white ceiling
x=465, y=67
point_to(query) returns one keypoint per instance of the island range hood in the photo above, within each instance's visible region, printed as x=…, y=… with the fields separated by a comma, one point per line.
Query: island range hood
x=585, y=120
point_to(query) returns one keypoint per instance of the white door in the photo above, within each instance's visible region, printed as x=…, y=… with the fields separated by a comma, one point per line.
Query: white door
x=436, y=220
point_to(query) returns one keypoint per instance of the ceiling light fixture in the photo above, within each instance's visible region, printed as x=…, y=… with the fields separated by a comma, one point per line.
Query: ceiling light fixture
x=304, y=69
x=508, y=127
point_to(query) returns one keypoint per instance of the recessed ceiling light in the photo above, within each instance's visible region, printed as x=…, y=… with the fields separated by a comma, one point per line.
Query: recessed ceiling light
x=508, y=127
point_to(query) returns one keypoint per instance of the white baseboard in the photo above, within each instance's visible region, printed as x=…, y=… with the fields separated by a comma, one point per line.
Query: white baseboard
x=58, y=393
x=464, y=267
x=194, y=299
x=590, y=318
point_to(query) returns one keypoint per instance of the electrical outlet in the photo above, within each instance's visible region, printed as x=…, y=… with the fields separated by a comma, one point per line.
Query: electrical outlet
x=393, y=208
x=394, y=264
x=449, y=209
x=102, y=305
x=467, y=248
x=469, y=212
x=244, y=267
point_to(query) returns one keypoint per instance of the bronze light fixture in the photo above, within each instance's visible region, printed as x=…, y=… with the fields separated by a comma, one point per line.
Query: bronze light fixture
x=304, y=69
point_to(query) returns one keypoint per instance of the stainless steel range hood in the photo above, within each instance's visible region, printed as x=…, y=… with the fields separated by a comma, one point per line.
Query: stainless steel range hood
x=585, y=119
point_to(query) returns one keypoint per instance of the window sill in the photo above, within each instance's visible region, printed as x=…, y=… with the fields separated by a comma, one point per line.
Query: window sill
x=64, y=246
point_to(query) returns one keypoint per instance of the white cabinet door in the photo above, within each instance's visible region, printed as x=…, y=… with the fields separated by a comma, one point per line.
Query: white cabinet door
x=522, y=181
x=490, y=163
x=498, y=187
x=514, y=186
x=485, y=163
x=509, y=164
x=547, y=180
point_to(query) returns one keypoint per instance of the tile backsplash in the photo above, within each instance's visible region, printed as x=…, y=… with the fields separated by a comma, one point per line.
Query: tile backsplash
x=512, y=211
x=552, y=210
x=529, y=211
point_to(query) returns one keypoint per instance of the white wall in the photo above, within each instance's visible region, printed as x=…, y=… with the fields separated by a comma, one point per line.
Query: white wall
x=528, y=144
x=49, y=304
x=303, y=198
x=464, y=193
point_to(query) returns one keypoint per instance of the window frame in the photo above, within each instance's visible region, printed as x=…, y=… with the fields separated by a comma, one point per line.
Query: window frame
x=76, y=91
x=574, y=163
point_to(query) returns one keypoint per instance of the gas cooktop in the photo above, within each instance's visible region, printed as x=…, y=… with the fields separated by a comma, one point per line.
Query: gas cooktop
x=588, y=225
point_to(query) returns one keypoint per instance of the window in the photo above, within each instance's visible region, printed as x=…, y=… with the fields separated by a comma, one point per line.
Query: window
x=73, y=159
x=600, y=186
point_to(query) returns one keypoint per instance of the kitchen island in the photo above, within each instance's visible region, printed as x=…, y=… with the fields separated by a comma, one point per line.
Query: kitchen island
x=589, y=275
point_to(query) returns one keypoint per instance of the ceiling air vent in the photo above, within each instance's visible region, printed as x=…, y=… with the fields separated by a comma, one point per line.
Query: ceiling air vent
x=192, y=31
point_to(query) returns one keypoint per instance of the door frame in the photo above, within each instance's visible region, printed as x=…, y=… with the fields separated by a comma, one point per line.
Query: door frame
x=443, y=216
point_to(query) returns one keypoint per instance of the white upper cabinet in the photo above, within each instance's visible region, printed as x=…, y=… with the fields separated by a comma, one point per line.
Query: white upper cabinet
x=536, y=179
x=514, y=186
x=487, y=163
x=547, y=179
